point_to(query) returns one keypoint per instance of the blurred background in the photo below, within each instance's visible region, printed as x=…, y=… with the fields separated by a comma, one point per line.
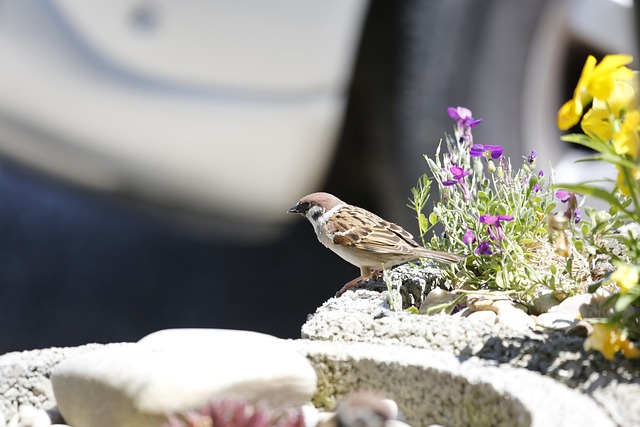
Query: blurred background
x=150, y=149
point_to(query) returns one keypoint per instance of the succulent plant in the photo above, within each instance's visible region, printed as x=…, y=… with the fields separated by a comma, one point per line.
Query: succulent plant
x=237, y=413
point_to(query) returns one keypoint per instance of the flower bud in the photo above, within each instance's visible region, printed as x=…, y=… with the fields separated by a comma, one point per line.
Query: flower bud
x=491, y=166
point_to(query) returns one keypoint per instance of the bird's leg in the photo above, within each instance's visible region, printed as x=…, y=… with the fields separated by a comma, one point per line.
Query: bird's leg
x=350, y=285
x=366, y=275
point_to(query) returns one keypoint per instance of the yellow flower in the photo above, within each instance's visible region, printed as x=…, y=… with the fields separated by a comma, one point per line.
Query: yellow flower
x=599, y=120
x=627, y=139
x=609, y=339
x=626, y=276
x=622, y=185
x=609, y=70
x=595, y=122
x=568, y=115
x=596, y=81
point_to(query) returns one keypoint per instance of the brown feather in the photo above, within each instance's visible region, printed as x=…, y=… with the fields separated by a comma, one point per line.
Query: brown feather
x=379, y=236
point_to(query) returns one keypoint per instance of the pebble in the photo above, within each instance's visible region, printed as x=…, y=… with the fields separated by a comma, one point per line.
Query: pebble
x=572, y=305
x=435, y=298
x=362, y=409
x=488, y=303
x=556, y=320
x=179, y=370
x=503, y=311
x=515, y=318
x=486, y=316
x=544, y=302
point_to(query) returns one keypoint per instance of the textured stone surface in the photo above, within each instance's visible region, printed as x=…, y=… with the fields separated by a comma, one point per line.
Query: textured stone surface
x=364, y=317
x=138, y=384
x=437, y=387
x=24, y=377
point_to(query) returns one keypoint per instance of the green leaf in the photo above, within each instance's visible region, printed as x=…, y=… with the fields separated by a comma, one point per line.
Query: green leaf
x=614, y=159
x=586, y=141
x=579, y=244
x=433, y=218
x=595, y=286
x=422, y=223
x=624, y=301
x=584, y=229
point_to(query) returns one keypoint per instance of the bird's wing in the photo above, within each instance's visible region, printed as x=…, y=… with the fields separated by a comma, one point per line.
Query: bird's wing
x=355, y=227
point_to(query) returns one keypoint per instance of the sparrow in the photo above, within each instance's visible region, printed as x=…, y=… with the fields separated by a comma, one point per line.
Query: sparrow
x=361, y=237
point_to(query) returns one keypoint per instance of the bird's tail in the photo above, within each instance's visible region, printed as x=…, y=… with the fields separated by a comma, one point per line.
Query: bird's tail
x=440, y=256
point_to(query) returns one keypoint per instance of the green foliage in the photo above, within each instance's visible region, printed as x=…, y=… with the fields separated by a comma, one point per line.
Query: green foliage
x=504, y=219
x=508, y=259
x=611, y=125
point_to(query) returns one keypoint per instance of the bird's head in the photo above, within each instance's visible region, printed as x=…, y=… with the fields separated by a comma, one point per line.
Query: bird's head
x=315, y=205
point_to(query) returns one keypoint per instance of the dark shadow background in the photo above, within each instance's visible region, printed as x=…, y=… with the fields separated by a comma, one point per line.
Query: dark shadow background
x=76, y=269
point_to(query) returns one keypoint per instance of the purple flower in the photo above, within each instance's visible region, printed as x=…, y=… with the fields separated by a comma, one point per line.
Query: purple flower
x=463, y=117
x=484, y=248
x=468, y=237
x=573, y=208
x=459, y=175
x=536, y=186
x=464, y=122
x=532, y=157
x=486, y=151
x=495, y=228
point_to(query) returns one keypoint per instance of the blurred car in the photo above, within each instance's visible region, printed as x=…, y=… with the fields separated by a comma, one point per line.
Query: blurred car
x=194, y=106
x=211, y=118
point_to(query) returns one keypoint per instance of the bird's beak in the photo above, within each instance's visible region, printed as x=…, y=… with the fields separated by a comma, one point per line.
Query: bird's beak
x=295, y=209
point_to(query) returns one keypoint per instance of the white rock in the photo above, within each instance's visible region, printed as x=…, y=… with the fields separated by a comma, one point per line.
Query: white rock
x=572, y=305
x=556, y=320
x=438, y=297
x=515, y=318
x=507, y=304
x=30, y=416
x=312, y=416
x=486, y=316
x=136, y=385
x=3, y=420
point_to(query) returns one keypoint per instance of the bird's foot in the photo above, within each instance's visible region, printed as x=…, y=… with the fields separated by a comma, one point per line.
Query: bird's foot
x=375, y=275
